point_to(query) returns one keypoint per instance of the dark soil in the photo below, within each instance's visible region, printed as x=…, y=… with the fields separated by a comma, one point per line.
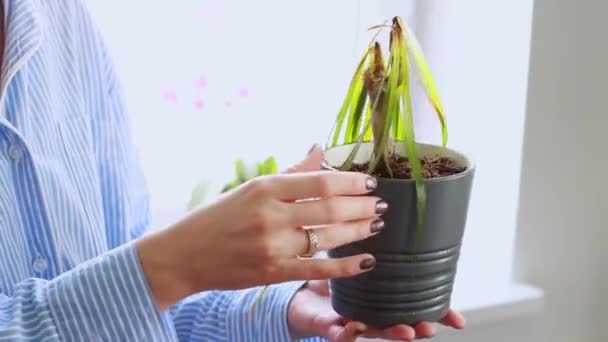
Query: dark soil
x=400, y=166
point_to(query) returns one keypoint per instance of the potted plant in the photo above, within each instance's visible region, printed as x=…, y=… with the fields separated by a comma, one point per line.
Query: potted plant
x=426, y=186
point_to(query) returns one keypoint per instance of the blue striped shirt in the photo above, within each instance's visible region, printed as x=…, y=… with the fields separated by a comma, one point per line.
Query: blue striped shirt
x=73, y=198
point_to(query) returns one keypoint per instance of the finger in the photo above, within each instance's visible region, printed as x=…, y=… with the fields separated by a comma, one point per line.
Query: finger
x=312, y=162
x=399, y=332
x=323, y=269
x=335, y=210
x=321, y=184
x=330, y=237
x=425, y=330
x=349, y=333
x=453, y=319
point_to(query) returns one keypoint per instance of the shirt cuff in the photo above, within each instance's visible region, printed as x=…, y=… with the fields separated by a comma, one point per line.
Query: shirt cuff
x=106, y=298
x=268, y=320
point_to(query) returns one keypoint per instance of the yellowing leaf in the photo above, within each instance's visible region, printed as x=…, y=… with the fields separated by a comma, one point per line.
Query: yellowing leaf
x=425, y=77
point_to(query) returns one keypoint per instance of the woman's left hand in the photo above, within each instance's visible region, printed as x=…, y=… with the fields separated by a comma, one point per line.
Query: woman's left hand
x=310, y=314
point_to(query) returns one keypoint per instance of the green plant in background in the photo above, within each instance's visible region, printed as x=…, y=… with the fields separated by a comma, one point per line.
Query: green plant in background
x=243, y=174
x=382, y=90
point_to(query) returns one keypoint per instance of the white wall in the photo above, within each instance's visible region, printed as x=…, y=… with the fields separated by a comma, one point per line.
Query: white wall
x=563, y=220
x=478, y=51
x=295, y=58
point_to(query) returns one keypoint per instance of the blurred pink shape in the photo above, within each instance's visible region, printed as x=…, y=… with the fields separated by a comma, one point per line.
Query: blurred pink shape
x=201, y=82
x=244, y=92
x=199, y=104
x=228, y=103
x=211, y=8
x=170, y=95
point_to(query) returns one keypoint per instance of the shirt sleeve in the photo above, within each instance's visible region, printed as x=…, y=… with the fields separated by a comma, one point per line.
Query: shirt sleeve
x=227, y=315
x=104, y=299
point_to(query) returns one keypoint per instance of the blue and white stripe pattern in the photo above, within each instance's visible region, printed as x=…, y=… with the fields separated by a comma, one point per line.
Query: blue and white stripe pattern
x=72, y=199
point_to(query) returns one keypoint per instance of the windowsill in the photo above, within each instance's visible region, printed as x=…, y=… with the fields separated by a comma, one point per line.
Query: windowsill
x=494, y=305
x=481, y=306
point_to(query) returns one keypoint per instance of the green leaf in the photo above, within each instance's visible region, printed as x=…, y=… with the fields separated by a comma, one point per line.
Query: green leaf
x=337, y=130
x=233, y=184
x=410, y=144
x=241, y=171
x=270, y=166
x=354, y=120
x=348, y=163
x=425, y=77
x=367, y=131
x=358, y=114
x=261, y=169
x=198, y=195
x=398, y=129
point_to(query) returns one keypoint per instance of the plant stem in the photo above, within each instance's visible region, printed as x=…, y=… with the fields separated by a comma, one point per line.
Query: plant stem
x=375, y=79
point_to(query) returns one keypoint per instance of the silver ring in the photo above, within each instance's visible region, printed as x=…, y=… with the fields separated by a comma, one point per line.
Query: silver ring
x=313, y=243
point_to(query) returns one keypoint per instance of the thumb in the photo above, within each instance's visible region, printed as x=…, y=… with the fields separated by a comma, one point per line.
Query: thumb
x=312, y=162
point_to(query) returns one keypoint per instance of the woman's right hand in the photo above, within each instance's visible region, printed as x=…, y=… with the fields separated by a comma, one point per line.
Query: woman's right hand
x=254, y=234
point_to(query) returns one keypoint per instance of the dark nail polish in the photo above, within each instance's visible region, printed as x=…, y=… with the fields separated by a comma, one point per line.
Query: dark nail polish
x=368, y=264
x=376, y=226
x=359, y=332
x=371, y=183
x=381, y=207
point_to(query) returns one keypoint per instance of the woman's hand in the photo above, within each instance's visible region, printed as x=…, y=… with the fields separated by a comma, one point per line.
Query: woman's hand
x=310, y=314
x=253, y=235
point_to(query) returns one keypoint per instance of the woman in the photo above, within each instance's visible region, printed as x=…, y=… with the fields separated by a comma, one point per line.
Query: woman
x=74, y=262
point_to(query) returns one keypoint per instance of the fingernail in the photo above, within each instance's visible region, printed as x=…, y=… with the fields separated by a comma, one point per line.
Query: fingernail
x=312, y=149
x=359, y=332
x=371, y=183
x=368, y=264
x=376, y=226
x=381, y=207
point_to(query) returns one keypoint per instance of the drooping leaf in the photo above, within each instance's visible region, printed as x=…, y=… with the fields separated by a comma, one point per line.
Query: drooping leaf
x=410, y=145
x=357, y=115
x=337, y=130
x=398, y=129
x=353, y=153
x=367, y=131
x=423, y=71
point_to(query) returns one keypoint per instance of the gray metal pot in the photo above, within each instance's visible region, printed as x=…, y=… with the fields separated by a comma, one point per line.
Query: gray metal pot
x=407, y=285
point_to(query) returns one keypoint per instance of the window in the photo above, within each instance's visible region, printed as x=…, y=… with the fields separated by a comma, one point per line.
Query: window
x=211, y=81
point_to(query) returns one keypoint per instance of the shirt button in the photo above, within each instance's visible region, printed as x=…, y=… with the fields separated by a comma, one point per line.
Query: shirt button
x=15, y=152
x=40, y=264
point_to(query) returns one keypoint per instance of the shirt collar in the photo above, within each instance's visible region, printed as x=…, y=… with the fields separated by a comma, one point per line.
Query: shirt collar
x=22, y=36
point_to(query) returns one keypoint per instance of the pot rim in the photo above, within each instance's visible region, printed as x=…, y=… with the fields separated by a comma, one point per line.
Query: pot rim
x=471, y=167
